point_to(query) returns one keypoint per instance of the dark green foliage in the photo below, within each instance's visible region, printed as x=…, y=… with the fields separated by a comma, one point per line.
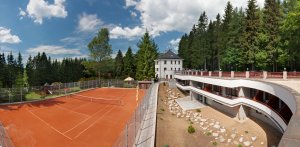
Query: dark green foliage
x=119, y=65
x=41, y=70
x=129, y=64
x=266, y=39
x=146, y=55
x=191, y=129
x=250, y=42
x=99, y=47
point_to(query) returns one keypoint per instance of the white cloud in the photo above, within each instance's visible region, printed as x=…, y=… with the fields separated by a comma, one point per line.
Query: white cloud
x=130, y=3
x=174, y=43
x=40, y=9
x=129, y=33
x=177, y=15
x=88, y=22
x=54, y=50
x=22, y=13
x=7, y=37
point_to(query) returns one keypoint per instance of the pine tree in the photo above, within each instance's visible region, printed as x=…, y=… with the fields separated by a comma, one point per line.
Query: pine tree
x=119, y=65
x=227, y=19
x=2, y=70
x=146, y=55
x=198, y=44
x=183, y=50
x=129, y=66
x=20, y=64
x=30, y=71
x=11, y=70
x=233, y=52
x=252, y=24
x=270, y=31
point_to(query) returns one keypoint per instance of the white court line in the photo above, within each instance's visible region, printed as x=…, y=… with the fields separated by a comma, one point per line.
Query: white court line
x=60, y=107
x=50, y=125
x=93, y=123
x=85, y=120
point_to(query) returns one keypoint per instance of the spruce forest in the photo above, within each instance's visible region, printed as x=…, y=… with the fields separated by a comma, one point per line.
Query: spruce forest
x=245, y=39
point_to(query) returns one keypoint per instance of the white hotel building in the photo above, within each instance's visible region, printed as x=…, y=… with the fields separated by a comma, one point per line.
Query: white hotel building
x=167, y=64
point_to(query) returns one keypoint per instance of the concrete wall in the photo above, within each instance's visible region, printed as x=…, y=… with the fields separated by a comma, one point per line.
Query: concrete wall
x=231, y=111
x=263, y=118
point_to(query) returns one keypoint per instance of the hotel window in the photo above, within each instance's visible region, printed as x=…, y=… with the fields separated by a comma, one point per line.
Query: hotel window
x=178, y=69
x=165, y=62
x=171, y=68
x=171, y=62
x=175, y=68
x=165, y=69
x=156, y=69
x=179, y=62
x=156, y=62
x=175, y=61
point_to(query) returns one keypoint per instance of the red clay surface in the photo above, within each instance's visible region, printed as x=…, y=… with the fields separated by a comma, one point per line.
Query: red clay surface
x=66, y=121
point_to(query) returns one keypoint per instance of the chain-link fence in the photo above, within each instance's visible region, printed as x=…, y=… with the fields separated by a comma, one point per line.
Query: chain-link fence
x=12, y=95
x=128, y=135
x=4, y=138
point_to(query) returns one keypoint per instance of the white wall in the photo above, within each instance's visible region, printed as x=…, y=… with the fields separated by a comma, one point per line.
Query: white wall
x=161, y=65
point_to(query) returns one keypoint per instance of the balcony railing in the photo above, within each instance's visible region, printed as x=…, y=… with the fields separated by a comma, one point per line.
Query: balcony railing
x=245, y=74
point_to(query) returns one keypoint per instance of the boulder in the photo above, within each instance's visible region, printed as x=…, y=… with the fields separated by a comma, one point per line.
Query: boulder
x=253, y=138
x=241, y=139
x=247, y=143
x=222, y=130
x=233, y=136
x=215, y=134
x=216, y=126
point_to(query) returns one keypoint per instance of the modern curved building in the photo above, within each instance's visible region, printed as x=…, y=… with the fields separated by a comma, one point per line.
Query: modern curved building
x=244, y=94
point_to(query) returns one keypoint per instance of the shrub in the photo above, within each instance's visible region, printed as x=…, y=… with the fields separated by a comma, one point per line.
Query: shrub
x=162, y=109
x=191, y=129
x=215, y=143
x=246, y=132
x=240, y=145
x=166, y=145
x=198, y=110
x=208, y=133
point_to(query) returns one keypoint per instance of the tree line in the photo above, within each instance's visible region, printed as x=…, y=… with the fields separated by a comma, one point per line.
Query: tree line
x=39, y=70
x=139, y=66
x=253, y=39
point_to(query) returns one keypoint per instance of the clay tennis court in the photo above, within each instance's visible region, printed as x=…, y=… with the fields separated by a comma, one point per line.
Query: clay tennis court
x=67, y=121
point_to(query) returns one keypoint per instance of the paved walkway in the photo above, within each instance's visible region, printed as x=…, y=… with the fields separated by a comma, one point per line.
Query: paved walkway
x=187, y=104
x=146, y=135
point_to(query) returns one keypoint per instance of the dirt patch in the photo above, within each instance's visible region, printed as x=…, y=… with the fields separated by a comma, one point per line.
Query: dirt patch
x=171, y=130
x=212, y=127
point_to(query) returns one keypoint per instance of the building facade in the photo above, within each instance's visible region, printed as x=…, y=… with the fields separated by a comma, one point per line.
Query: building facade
x=242, y=98
x=167, y=64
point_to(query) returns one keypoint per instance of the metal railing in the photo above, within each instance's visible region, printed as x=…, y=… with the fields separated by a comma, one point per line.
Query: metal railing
x=129, y=134
x=33, y=93
x=243, y=74
x=5, y=141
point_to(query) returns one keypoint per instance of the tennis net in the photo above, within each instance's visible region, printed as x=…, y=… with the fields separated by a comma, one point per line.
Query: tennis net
x=97, y=100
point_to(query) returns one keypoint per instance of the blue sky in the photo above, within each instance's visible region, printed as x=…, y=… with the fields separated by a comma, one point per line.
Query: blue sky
x=63, y=28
